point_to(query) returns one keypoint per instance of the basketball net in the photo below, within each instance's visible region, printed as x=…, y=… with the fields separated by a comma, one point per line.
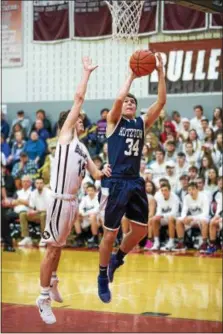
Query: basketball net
x=125, y=19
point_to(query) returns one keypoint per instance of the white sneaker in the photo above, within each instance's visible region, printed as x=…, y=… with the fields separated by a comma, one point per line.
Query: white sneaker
x=156, y=246
x=168, y=247
x=42, y=243
x=45, y=310
x=27, y=241
x=54, y=292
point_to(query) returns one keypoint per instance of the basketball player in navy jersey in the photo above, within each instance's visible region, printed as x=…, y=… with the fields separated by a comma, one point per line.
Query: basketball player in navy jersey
x=124, y=192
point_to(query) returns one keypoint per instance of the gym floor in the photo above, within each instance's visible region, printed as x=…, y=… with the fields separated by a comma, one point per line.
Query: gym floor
x=150, y=293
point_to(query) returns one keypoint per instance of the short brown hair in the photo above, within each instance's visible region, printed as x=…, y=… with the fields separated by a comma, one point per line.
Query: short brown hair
x=62, y=118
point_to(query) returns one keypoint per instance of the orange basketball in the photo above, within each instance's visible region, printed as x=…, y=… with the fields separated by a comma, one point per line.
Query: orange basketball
x=142, y=62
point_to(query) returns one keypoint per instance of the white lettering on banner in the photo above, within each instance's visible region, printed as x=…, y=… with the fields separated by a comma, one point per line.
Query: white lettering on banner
x=178, y=64
x=213, y=64
x=175, y=64
x=187, y=74
x=199, y=73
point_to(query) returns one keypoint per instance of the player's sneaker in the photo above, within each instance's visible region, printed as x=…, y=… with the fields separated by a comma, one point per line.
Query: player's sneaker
x=156, y=246
x=113, y=265
x=168, y=247
x=103, y=289
x=203, y=247
x=211, y=249
x=45, y=310
x=179, y=247
x=27, y=241
x=148, y=245
x=54, y=292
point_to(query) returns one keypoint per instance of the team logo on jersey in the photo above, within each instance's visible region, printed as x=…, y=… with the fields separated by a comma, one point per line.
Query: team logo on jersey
x=80, y=151
x=166, y=210
x=45, y=235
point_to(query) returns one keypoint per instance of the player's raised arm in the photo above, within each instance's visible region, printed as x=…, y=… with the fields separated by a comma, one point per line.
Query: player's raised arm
x=115, y=113
x=155, y=109
x=78, y=98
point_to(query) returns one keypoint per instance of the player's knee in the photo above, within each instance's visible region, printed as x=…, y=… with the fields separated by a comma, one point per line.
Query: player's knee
x=109, y=236
x=171, y=220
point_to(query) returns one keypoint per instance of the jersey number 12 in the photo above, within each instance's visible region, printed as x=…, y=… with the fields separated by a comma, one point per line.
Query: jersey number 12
x=133, y=147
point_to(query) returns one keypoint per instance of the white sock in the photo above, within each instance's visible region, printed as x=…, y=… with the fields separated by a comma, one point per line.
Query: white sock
x=156, y=240
x=53, y=278
x=171, y=240
x=44, y=292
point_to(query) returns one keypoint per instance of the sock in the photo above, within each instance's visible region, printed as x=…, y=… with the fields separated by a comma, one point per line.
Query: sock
x=181, y=240
x=171, y=240
x=96, y=239
x=53, y=278
x=45, y=292
x=120, y=255
x=157, y=240
x=103, y=271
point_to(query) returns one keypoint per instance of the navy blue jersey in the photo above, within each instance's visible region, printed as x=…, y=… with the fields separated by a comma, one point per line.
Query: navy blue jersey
x=125, y=146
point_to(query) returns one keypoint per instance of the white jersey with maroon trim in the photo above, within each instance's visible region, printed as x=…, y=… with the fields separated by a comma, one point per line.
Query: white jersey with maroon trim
x=69, y=167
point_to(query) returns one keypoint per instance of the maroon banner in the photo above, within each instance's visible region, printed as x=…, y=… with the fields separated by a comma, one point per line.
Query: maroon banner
x=149, y=19
x=50, y=20
x=91, y=19
x=180, y=19
x=190, y=66
x=216, y=21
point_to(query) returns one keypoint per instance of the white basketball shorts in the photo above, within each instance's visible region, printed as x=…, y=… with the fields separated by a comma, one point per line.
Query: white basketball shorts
x=61, y=214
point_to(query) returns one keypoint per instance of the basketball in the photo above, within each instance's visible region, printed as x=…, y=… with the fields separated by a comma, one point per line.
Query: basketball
x=142, y=62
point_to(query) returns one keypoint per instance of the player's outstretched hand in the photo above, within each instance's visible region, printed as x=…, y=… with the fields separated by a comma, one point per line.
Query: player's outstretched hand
x=87, y=63
x=106, y=170
x=159, y=65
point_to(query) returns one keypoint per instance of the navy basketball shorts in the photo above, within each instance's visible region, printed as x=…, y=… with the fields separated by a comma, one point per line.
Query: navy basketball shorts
x=119, y=197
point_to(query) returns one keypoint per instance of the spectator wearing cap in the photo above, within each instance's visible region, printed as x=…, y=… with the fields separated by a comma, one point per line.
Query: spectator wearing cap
x=41, y=115
x=24, y=166
x=204, y=127
x=217, y=114
x=17, y=147
x=217, y=152
x=176, y=120
x=168, y=128
x=24, y=122
x=4, y=125
x=170, y=174
x=181, y=165
x=195, y=122
x=184, y=134
x=182, y=187
x=35, y=148
x=101, y=129
x=170, y=148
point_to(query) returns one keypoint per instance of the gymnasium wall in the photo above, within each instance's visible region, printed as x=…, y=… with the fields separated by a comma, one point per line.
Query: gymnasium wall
x=50, y=73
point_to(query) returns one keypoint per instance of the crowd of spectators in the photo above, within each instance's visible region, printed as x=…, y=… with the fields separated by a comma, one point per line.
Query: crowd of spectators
x=181, y=164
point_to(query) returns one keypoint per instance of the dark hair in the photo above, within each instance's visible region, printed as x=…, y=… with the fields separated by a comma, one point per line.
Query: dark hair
x=199, y=107
x=62, y=118
x=23, y=154
x=90, y=185
x=192, y=185
x=212, y=136
x=171, y=142
x=221, y=115
x=163, y=181
x=193, y=168
x=200, y=177
x=183, y=176
x=160, y=150
x=181, y=154
x=39, y=178
x=20, y=112
x=216, y=172
x=104, y=109
x=165, y=185
x=175, y=113
x=204, y=120
x=153, y=187
x=133, y=97
x=190, y=133
x=41, y=111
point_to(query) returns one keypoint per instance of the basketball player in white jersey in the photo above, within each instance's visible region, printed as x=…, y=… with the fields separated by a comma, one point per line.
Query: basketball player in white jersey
x=71, y=160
